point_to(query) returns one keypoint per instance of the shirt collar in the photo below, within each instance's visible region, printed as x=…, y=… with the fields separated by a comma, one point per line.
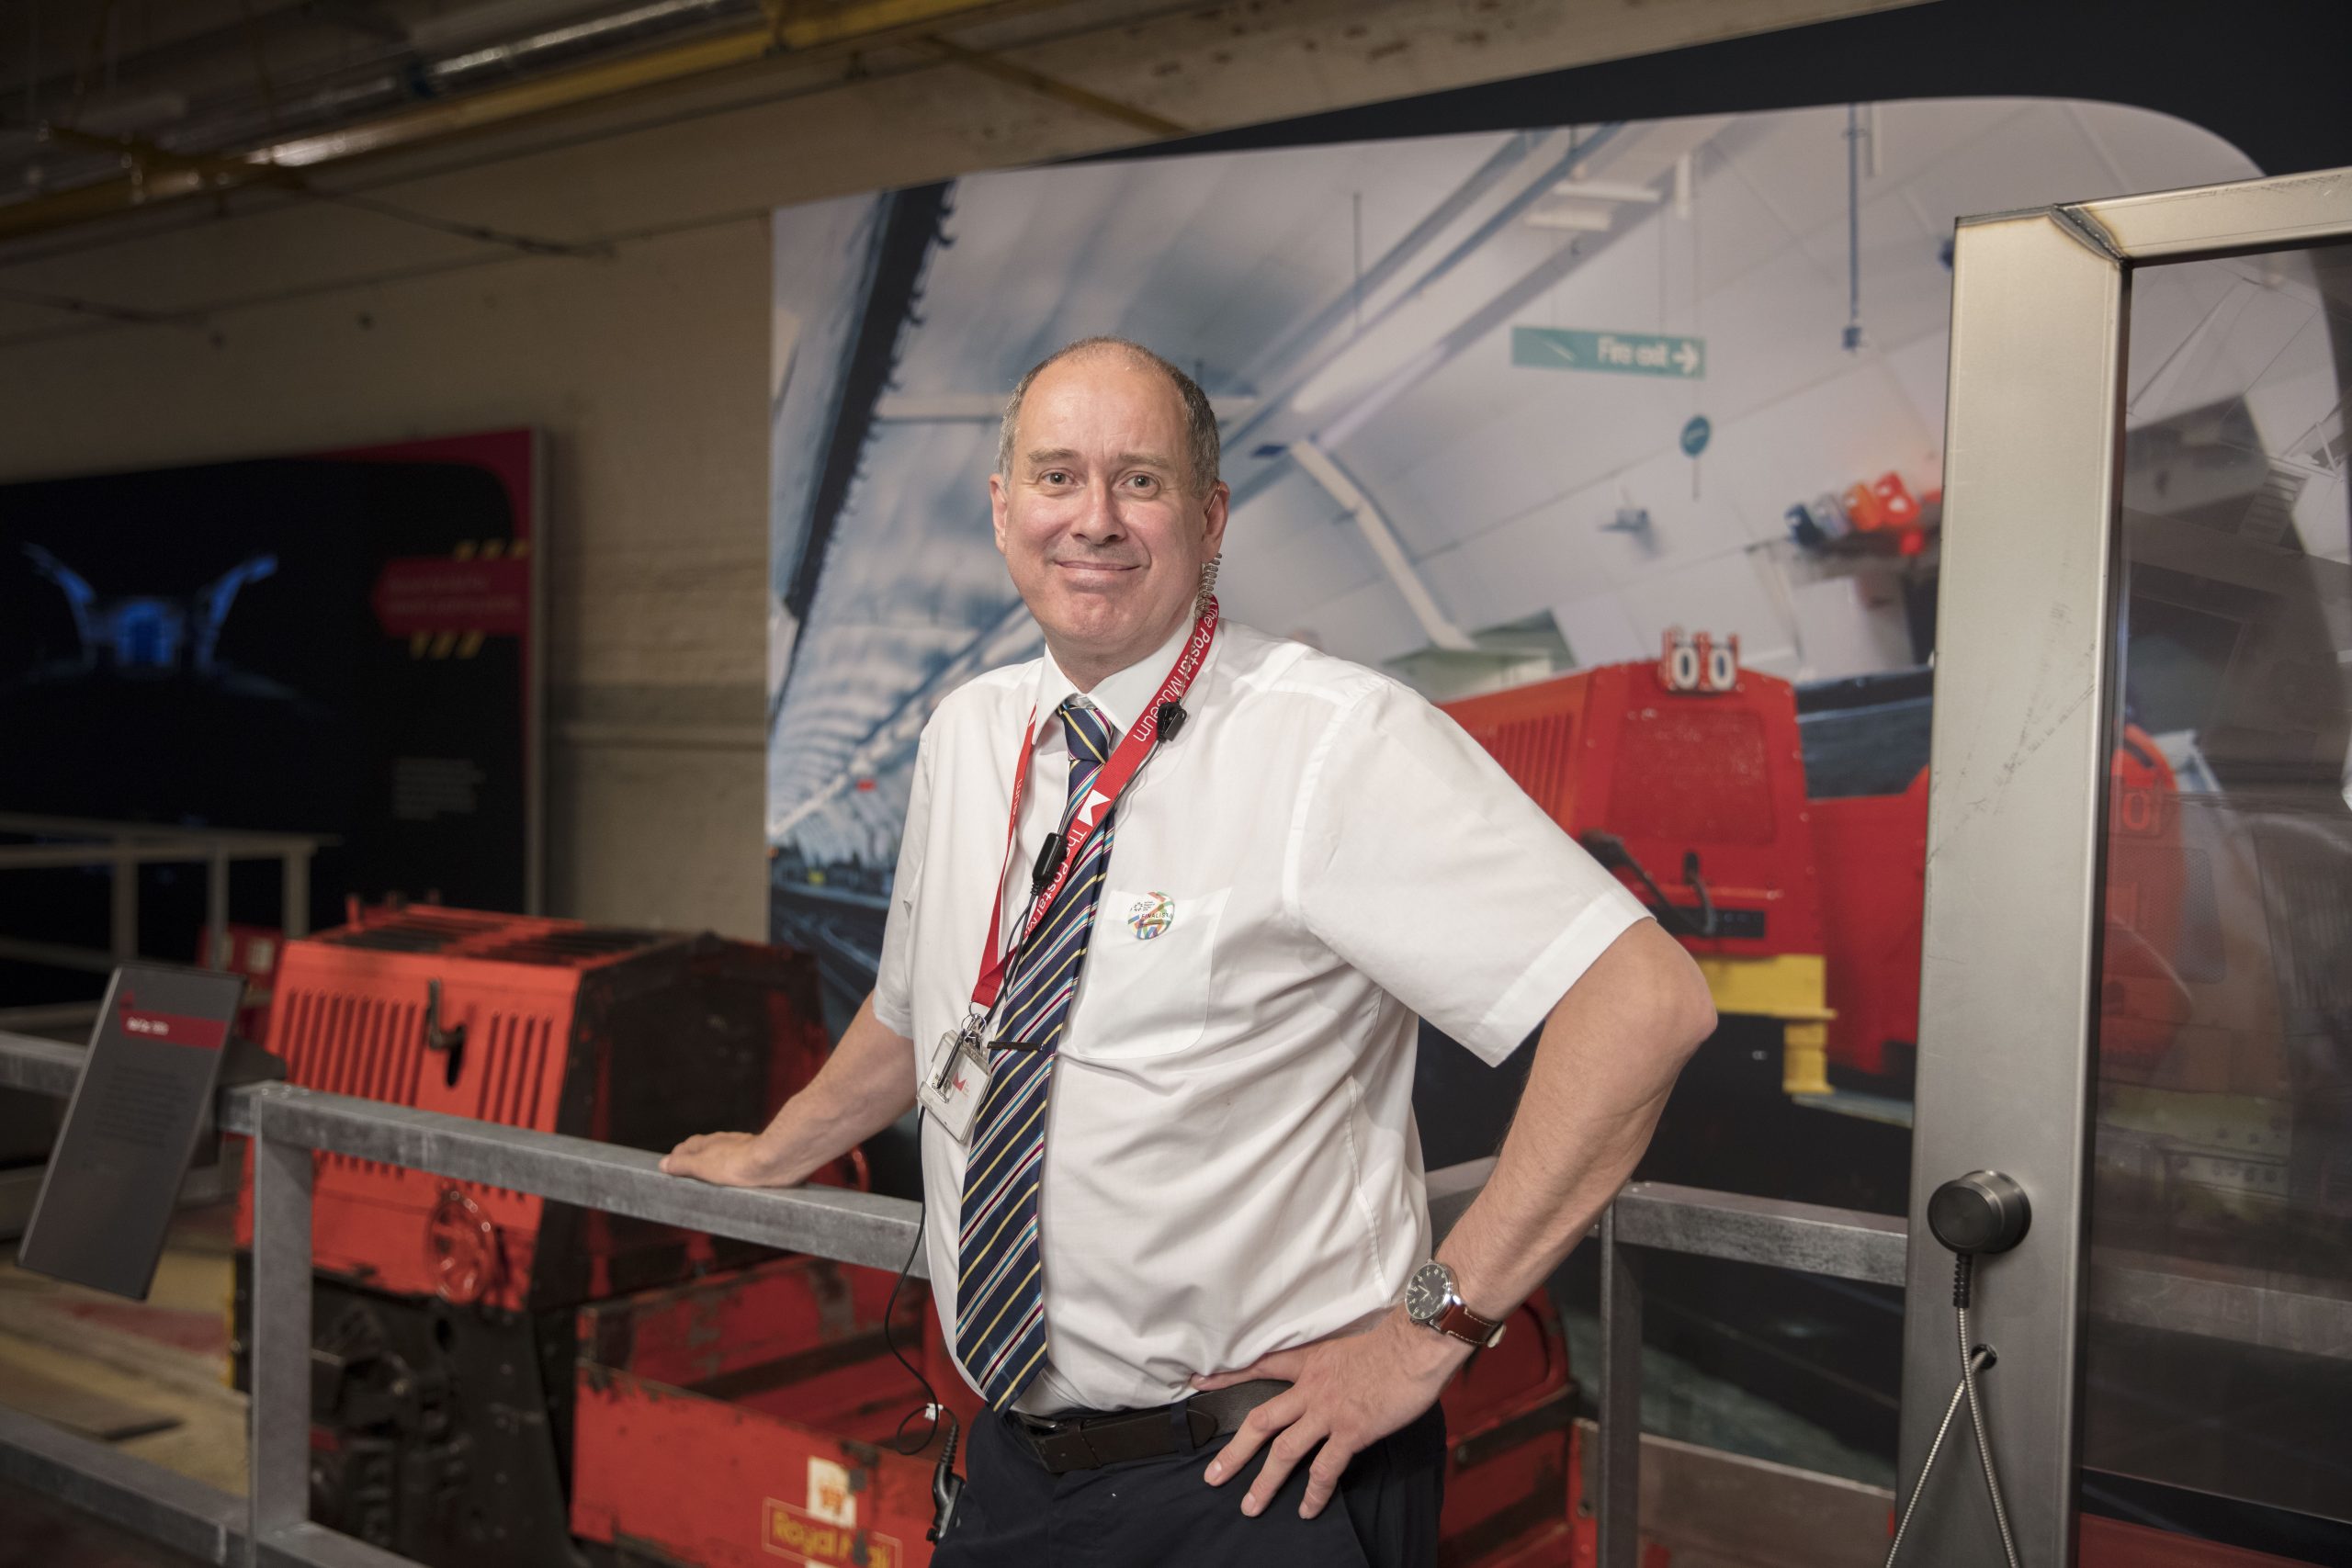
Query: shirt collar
x=1121, y=697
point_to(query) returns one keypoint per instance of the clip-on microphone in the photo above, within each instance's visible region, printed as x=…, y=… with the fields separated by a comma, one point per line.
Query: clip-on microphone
x=1171, y=719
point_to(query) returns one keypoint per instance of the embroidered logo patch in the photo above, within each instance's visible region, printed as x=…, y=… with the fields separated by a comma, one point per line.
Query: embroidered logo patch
x=1151, y=916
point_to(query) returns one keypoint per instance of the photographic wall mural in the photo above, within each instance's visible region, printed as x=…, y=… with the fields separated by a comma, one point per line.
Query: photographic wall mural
x=1494, y=407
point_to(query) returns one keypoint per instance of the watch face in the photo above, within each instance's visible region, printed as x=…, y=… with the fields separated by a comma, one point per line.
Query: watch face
x=1425, y=1294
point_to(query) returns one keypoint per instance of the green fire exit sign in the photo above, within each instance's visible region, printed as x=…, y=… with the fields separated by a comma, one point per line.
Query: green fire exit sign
x=1630, y=353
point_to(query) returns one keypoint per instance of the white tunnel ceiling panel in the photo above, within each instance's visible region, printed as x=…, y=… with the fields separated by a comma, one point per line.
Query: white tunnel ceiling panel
x=2158, y=153
x=2039, y=154
x=1304, y=553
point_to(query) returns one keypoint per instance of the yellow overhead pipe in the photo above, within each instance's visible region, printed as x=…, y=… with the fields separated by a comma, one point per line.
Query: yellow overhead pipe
x=1051, y=86
x=795, y=31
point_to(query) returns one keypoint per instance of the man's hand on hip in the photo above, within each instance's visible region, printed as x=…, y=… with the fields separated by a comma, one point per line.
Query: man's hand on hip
x=1346, y=1393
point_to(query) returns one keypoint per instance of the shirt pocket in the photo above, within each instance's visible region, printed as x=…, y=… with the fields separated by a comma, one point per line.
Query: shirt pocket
x=1150, y=967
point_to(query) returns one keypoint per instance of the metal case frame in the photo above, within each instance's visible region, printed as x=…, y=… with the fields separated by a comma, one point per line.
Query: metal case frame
x=2015, y=822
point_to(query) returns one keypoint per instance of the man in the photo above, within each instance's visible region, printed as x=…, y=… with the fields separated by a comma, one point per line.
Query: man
x=1174, y=1213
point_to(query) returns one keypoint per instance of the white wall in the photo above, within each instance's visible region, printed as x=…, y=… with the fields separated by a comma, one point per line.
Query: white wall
x=309, y=325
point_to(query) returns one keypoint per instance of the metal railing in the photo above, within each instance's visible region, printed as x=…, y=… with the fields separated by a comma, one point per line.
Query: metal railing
x=271, y=1526
x=78, y=842
x=1844, y=1244
x=288, y=1124
x=123, y=847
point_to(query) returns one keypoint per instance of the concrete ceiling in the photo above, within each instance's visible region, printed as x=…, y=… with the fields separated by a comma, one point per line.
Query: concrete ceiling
x=109, y=106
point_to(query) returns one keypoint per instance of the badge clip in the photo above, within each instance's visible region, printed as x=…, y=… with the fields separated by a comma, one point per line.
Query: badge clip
x=958, y=1081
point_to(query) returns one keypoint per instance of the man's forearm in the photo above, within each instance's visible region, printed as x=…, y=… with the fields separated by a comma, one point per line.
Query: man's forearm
x=1604, y=1064
x=867, y=1083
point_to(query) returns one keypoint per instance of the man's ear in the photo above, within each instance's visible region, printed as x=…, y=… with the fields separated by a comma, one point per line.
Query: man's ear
x=1219, y=504
x=997, y=499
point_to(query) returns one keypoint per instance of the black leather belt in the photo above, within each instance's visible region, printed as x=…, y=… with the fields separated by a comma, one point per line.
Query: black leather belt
x=1085, y=1443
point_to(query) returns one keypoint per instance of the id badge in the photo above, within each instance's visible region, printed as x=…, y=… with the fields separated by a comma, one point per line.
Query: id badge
x=954, y=1083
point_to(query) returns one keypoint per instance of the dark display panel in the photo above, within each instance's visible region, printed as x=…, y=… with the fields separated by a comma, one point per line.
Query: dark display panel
x=340, y=645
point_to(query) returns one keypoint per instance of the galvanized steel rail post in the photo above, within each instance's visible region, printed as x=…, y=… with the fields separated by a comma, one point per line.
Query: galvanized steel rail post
x=1621, y=1398
x=278, y=1423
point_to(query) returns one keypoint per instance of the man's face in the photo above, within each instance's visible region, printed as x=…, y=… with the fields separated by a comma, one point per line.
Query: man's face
x=1098, y=519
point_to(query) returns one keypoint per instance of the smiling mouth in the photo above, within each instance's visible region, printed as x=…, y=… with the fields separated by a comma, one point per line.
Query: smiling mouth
x=1106, y=566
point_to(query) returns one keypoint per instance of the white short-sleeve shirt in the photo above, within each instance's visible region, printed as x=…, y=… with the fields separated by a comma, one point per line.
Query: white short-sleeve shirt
x=1231, y=1163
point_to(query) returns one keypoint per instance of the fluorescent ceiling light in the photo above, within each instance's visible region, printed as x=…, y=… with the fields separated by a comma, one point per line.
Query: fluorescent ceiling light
x=1603, y=190
x=1579, y=217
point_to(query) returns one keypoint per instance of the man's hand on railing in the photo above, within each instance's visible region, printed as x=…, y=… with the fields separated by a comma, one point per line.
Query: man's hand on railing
x=729, y=1159
x=867, y=1083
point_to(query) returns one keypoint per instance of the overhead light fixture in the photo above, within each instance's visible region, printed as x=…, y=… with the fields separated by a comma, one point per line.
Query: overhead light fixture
x=1577, y=217
x=1588, y=206
x=1607, y=190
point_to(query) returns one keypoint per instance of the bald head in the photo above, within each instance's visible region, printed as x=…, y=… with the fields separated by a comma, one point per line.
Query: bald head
x=1201, y=455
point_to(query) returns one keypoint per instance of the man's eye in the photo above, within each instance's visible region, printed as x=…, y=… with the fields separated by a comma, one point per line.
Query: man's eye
x=1054, y=477
x=1144, y=482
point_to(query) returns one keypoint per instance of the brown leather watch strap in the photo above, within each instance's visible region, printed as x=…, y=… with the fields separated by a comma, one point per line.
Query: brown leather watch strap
x=1467, y=1325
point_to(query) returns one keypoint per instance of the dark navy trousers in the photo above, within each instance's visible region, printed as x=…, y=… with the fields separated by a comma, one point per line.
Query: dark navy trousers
x=1159, y=1513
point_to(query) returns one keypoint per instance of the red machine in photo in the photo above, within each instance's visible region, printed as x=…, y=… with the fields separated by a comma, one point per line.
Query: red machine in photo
x=1687, y=778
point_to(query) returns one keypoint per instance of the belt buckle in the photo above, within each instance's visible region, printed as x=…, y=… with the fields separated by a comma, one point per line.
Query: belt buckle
x=1060, y=1445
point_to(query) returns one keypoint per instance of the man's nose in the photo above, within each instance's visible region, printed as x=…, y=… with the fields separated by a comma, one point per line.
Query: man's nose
x=1098, y=522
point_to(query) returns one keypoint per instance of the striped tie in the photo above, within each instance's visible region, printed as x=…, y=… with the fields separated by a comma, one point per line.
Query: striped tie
x=1000, y=1288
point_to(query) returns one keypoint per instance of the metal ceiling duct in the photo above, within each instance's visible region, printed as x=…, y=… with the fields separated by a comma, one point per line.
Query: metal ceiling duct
x=569, y=61
x=632, y=24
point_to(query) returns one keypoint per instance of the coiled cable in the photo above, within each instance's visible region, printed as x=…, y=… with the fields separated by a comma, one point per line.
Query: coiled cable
x=1959, y=1392
x=1973, y=1360
x=1984, y=1448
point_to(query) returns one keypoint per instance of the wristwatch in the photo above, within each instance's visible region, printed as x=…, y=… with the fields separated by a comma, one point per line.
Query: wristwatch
x=1433, y=1300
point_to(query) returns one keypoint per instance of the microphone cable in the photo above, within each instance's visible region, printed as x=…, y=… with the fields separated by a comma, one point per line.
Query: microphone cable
x=946, y=1486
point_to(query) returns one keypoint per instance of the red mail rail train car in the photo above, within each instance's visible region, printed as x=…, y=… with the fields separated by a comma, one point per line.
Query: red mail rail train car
x=1687, y=778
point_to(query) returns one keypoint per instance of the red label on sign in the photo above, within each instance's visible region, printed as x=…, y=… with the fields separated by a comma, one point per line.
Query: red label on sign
x=799, y=1536
x=430, y=593
x=170, y=1028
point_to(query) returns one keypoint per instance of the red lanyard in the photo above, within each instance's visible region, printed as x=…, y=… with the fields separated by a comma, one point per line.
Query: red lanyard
x=1118, y=770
